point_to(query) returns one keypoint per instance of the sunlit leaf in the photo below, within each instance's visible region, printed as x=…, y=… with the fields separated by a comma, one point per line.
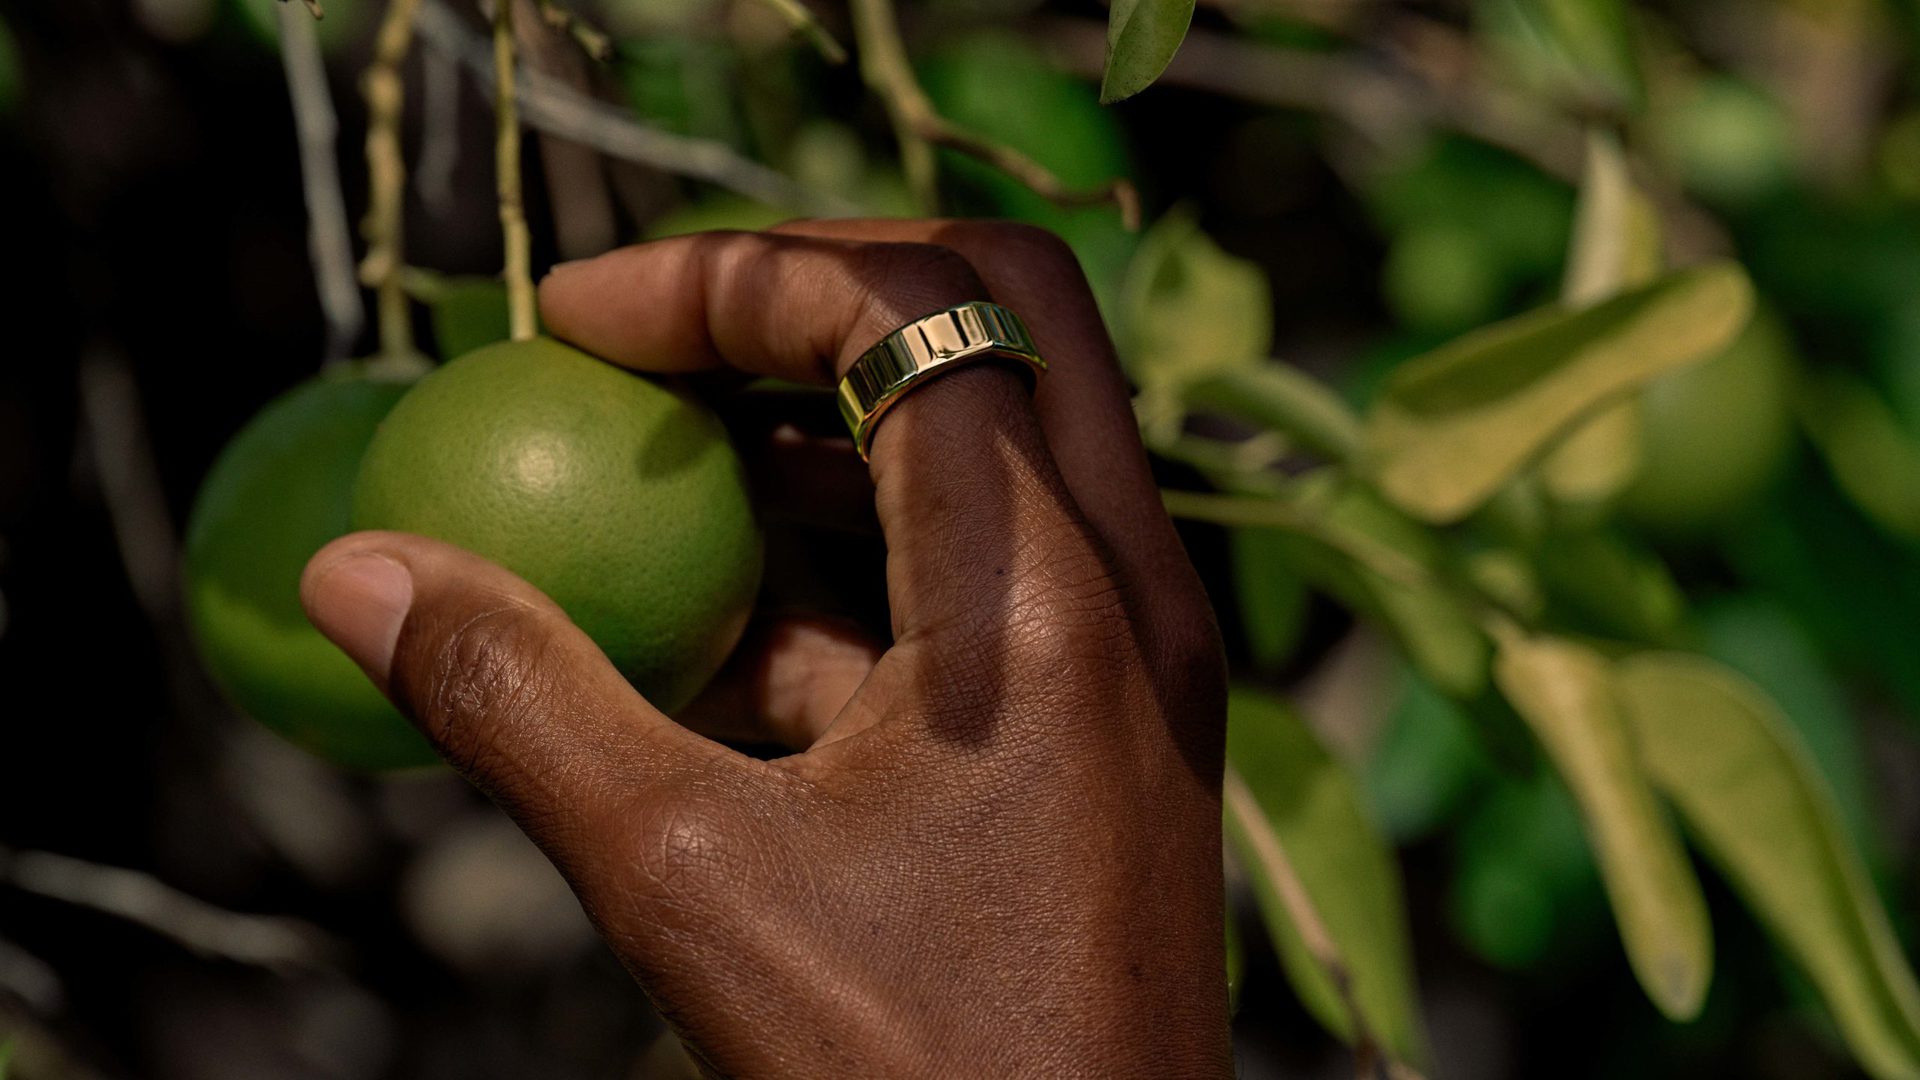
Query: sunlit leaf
x=1425, y=618
x=1192, y=310
x=1142, y=36
x=1296, y=823
x=1284, y=400
x=1752, y=634
x=1453, y=426
x=1616, y=246
x=1720, y=750
x=1565, y=692
x=1599, y=459
x=1617, y=242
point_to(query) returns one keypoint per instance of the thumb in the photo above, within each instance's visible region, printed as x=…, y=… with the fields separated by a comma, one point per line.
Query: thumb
x=502, y=683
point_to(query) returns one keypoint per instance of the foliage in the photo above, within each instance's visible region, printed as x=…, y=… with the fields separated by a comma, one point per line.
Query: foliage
x=1640, y=412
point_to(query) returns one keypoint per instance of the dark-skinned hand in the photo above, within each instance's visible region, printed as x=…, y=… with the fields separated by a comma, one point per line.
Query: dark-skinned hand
x=995, y=848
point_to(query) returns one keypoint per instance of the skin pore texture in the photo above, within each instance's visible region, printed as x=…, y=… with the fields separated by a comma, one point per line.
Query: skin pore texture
x=995, y=848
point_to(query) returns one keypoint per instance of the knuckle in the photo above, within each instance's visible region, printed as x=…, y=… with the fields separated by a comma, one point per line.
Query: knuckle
x=900, y=282
x=484, y=676
x=1030, y=248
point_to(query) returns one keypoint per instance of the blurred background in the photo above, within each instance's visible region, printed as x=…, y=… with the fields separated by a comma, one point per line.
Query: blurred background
x=1338, y=184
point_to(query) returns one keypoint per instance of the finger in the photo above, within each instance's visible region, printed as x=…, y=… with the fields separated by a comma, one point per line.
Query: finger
x=506, y=688
x=786, y=682
x=1084, y=405
x=976, y=517
x=809, y=479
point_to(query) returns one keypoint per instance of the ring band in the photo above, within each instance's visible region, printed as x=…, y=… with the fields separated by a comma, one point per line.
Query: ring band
x=924, y=348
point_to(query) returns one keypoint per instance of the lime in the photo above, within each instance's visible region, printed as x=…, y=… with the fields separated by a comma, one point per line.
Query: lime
x=618, y=497
x=278, y=492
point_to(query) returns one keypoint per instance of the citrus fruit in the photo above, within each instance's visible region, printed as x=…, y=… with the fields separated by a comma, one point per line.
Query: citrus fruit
x=618, y=497
x=278, y=492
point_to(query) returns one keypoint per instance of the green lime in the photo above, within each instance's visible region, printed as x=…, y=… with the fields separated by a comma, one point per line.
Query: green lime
x=278, y=492
x=618, y=497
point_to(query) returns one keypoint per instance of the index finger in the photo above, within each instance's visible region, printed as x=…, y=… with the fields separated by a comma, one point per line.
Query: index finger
x=978, y=521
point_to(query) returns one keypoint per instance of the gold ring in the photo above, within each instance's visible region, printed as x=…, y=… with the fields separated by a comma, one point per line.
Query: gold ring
x=924, y=348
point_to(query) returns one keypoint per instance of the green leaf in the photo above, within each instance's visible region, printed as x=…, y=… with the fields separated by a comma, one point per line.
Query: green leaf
x=1598, y=460
x=1873, y=458
x=1284, y=400
x=1721, y=751
x=1602, y=583
x=1295, y=820
x=1581, y=50
x=1616, y=246
x=1424, y=616
x=1272, y=598
x=1754, y=635
x=1193, y=311
x=1617, y=242
x=1142, y=36
x=1453, y=426
x=1565, y=693
x=1425, y=764
x=1525, y=893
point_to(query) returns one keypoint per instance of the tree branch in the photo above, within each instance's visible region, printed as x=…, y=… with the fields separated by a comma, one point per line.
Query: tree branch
x=513, y=212
x=802, y=21
x=256, y=940
x=329, y=236
x=550, y=107
x=919, y=127
x=385, y=263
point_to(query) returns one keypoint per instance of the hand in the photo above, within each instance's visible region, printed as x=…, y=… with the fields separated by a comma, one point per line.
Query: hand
x=996, y=849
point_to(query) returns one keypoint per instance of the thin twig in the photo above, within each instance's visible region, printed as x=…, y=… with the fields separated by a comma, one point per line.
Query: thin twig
x=313, y=8
x=513, y=212
x=551, y=107
x=257, y=940
x=919, y=127
x=329, y=236
x=592, y=40
x=801, y=20
x=387, y=177
x=1278, y=870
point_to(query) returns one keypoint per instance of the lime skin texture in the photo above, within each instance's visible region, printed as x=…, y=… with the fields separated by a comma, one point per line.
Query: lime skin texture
x=617, y=496
x=278, y=492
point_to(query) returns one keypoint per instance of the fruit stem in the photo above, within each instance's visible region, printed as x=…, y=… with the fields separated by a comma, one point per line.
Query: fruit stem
x=384, y=227
x=513, y=214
